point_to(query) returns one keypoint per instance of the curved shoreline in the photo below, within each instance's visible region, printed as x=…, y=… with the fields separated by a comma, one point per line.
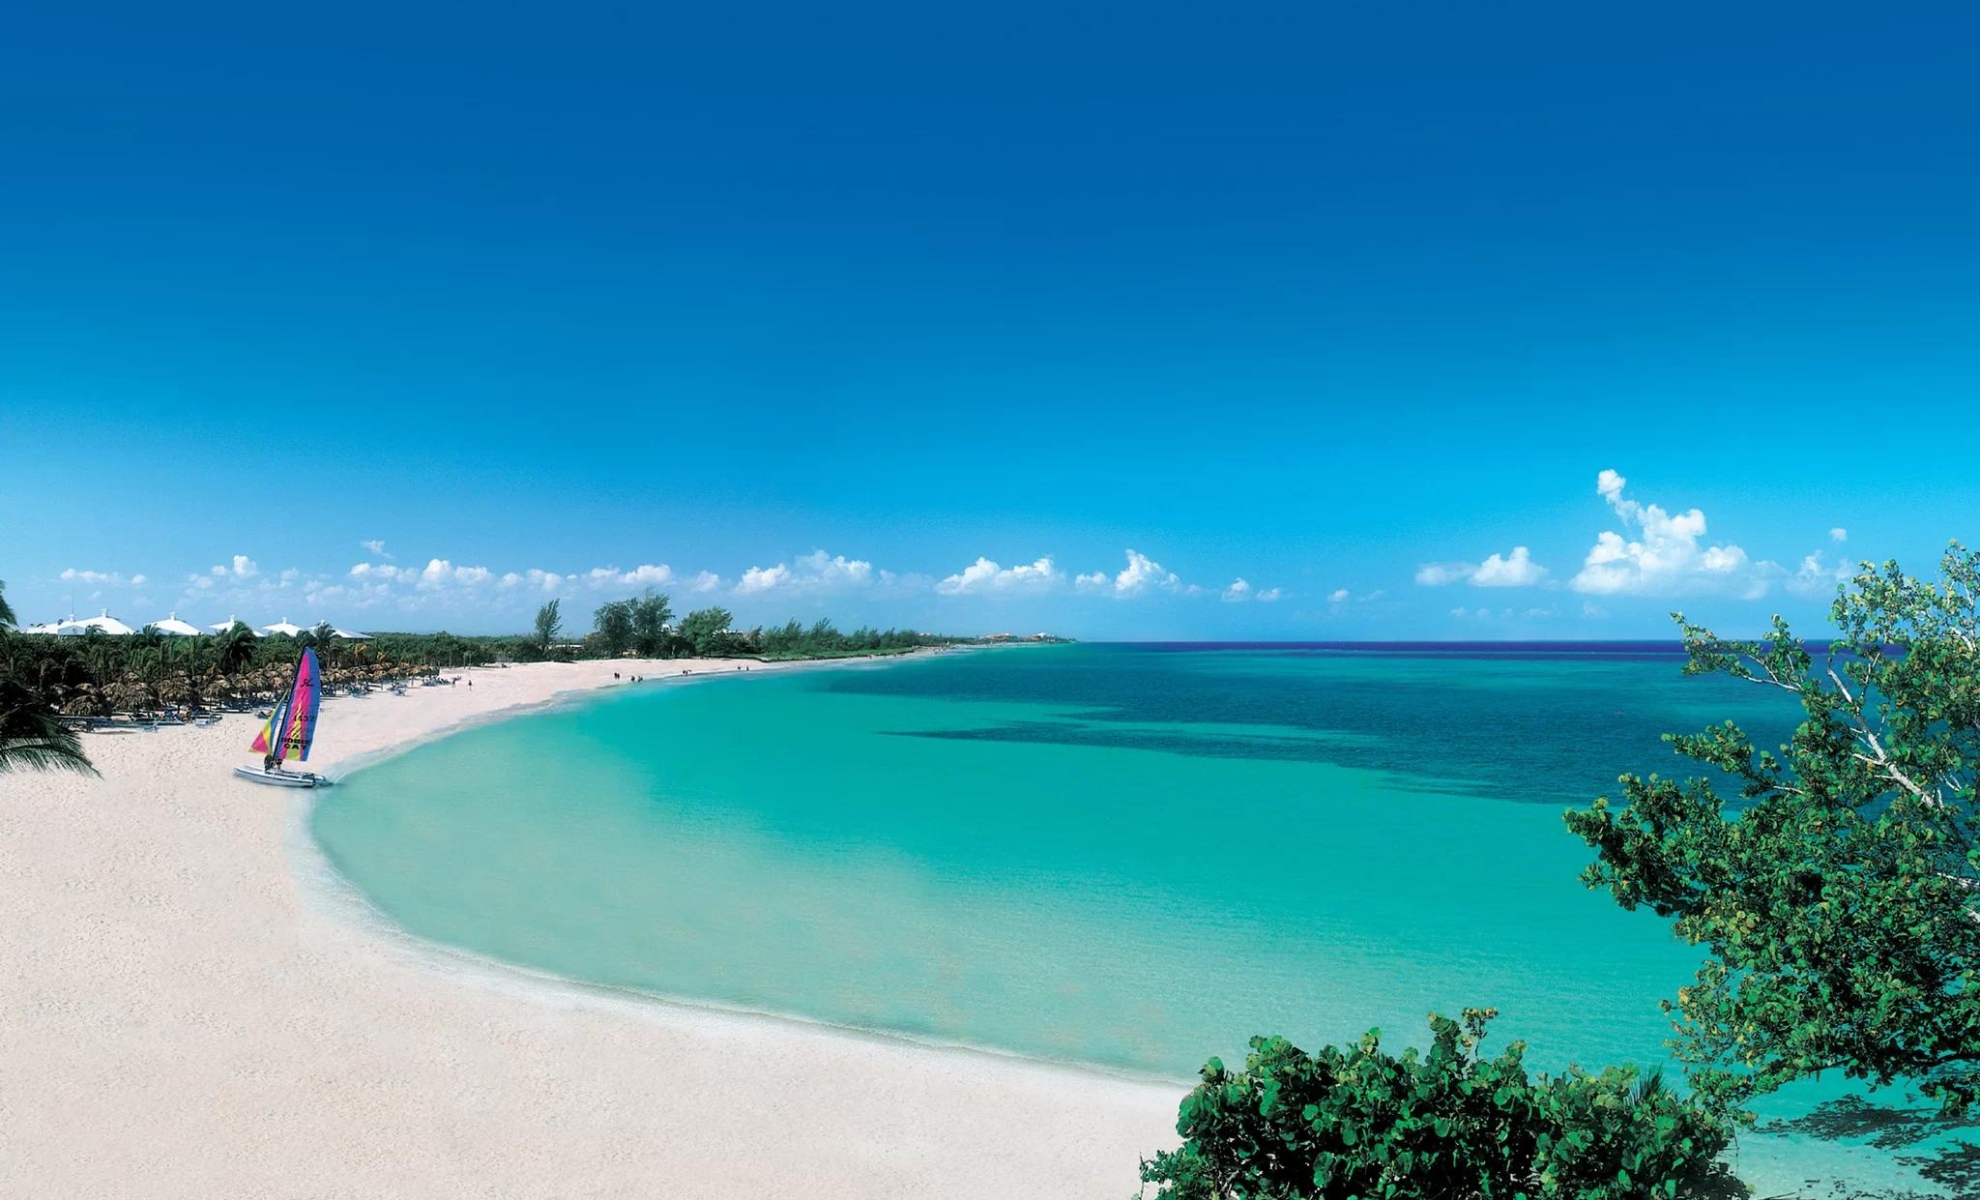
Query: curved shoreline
x=337, y=896
x=342, y=900
x=182, y=1020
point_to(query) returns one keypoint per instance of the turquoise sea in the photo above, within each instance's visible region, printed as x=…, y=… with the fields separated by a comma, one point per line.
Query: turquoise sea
x=1130, y=857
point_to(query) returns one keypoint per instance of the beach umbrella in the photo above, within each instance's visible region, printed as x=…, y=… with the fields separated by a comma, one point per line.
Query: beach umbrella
x=174, y=626
x=129, y=695
x=84, y=704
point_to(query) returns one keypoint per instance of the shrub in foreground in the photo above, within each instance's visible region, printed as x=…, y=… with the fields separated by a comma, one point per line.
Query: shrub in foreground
x=1359, y=1123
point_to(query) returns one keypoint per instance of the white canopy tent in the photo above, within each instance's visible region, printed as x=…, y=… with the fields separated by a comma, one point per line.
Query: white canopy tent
x=229, y=623
x=348, y=636
x=282, y=627
x=175, y=627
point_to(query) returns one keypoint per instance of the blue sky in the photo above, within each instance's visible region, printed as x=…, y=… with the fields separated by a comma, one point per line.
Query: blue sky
x=1341, y=301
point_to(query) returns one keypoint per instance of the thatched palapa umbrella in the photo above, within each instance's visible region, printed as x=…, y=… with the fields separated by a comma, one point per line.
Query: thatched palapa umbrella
x=85, y=704
x=130, y=695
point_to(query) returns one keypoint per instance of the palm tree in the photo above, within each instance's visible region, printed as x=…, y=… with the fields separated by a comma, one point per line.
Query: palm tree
x=7, y=619
x=32, y=736
x=236, y=649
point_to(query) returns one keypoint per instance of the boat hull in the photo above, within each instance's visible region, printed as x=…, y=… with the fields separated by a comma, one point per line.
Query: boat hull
x=287, y=779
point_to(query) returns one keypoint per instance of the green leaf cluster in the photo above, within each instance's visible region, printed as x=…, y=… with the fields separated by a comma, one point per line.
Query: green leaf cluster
x=705, y=631
x=1358, y=1123
x=549, y=625
x=32, y=736
x=1836, y=897
x=31, y=733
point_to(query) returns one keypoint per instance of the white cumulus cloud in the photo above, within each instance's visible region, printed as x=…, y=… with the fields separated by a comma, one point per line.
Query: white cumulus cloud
x=813, y=572
x=763, y=579
x=536, y=579
x=1438, y=574
x=1242, y=591
x=644, y=575
x=1815, y=577
x=1666, y=556
x=1141, y=575
x=376, y=546
x=986, y=577
x=1514, y=570
x=439, y=573
x=243, y=568
x=835, y=569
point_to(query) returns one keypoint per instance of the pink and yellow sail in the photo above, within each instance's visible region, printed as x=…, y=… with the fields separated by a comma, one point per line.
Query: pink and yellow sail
x=291, y=726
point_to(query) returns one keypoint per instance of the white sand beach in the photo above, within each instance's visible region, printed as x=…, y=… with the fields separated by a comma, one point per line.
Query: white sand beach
x=181, y=1015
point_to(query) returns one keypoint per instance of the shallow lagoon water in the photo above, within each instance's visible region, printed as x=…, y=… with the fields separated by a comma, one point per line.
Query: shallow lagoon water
x=1128, y=857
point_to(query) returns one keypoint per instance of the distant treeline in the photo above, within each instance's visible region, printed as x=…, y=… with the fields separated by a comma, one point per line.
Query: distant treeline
x=98, y=674
x=644, y=625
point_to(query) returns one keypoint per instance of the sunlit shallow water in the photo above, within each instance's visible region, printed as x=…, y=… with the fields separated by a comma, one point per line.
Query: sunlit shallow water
x=1127, y=857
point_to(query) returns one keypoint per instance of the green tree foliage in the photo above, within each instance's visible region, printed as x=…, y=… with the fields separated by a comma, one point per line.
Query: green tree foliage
x=822, y=639
x=1359, y=1122
x=1837, y=897
x=97, y=675
x=549, y=623
x=613, y=625
x=235, y=648
x=149, y=672
x=650, y=614
x=7, y=618
x=32, y=736
x=706, y=631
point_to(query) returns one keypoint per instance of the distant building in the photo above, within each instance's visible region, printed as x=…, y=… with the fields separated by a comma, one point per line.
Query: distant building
x=74, y=628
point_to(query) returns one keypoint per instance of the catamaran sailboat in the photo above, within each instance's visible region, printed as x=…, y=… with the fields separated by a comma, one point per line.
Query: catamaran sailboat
x=290, y=729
